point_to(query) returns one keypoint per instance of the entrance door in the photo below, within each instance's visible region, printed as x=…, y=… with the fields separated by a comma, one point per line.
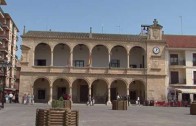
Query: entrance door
x=113, y=94
x=61, y=91
x=83, y=93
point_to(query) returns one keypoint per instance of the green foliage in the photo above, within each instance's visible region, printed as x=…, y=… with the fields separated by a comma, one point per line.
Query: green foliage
x=61, y=98
x=58, y=104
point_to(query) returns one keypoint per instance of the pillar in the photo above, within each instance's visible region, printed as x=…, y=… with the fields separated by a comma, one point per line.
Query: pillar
x=71, y=59
x=70, y=93
x=50, y=96
x=191, y=97
x=179, y=96
x=128, y=61
x=109, y=59
x=109, y=101
x=51, y=64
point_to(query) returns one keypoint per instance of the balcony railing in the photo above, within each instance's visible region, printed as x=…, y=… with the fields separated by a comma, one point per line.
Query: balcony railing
x=183, y=81
x=180, y=62
x=56, y=69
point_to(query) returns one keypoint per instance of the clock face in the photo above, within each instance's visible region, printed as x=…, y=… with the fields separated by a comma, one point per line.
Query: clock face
x=156, y=50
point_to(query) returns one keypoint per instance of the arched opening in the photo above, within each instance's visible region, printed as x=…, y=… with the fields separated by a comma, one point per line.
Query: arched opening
x=137, y=57
x=41, y=90
x=118, y=57
x=60, y=88
x=80, y=91
x=61, y=55
x=81, y=56
x=99, y=91
x=137, y=89
x=118, y=87
x=100, y=51
x=42, y=55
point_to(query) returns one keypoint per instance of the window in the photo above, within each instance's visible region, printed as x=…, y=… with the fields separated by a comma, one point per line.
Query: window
x=115, y=63
x=79, y=63
x=194, y=77
x=41, y=94
x=174, y=77
x=194, y=59
x=41, y=62
x=174, y=59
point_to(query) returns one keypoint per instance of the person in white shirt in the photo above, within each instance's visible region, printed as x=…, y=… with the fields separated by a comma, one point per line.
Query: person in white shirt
x=10, y=97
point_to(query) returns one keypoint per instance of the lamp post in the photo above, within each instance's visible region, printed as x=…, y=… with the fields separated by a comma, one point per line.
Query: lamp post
x=3, y=66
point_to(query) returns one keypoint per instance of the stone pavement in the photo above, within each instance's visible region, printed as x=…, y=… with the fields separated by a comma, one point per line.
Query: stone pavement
x=101, y=115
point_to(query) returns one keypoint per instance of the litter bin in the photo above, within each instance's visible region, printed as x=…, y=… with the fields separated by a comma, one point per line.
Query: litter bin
x=193, y=108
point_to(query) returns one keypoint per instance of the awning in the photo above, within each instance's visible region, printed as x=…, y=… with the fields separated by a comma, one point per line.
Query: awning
x=188, y=91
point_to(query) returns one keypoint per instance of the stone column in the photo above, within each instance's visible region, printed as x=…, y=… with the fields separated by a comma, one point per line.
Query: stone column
x=109, y=59
x=191, y=97
x=71, y=59
x=51, y=64
x=33, y=58
x=109, y=100
x=89, y=90
x=50, y=96
x=179, y=96
x=70, y=93
x=128, y=61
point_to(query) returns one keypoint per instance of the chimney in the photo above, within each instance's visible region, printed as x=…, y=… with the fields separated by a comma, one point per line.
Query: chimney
x=90, y=34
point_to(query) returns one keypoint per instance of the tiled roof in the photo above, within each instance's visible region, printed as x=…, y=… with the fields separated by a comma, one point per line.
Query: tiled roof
x=180, y=41
x=75, y=35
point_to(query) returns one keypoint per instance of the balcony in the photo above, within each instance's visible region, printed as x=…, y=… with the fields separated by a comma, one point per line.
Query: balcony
x=179, y=62
x=92, y=70
x=178, y=82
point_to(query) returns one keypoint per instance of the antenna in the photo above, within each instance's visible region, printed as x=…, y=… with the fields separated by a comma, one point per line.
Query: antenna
x=118, y=28
x=181, y=24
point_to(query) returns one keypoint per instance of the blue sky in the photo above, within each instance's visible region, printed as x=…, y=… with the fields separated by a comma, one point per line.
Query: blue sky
x=107, y=16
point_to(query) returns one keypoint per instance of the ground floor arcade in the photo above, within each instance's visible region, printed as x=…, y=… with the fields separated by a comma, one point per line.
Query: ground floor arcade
x=102, y=91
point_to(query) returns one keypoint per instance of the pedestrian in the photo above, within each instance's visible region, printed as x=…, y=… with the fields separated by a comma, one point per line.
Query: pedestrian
x=24, y=99
x=138, y=100
x=6, y=98
x=118, y=97
x=32, y=99
x=92, y=101
x=89, y=100
x=10, y=97
x=28, y=99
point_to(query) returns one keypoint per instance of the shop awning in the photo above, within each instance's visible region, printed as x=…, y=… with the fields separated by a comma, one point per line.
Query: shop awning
x=188, y=91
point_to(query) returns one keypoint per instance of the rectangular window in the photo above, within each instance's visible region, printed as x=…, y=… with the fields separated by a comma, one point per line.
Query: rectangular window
x=194, y=59
x=41, y=62
x=79, y=63
x=174, y=59
x=194, y=77
x=115, y=63
x=41, y=94
x=174, y=77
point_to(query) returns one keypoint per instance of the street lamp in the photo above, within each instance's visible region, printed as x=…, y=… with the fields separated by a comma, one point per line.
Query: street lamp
x=3, y=66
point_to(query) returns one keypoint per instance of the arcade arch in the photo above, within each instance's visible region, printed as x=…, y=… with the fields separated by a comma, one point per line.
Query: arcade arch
x=41, y=90
x=42, y=55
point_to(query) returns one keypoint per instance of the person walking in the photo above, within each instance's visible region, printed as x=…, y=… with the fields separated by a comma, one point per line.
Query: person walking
x=10, y=97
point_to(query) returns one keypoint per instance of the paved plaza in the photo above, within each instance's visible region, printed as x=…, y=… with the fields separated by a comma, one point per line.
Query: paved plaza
x=101, y=115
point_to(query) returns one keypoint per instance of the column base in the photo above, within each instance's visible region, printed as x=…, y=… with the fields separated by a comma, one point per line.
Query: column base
x=50, y=102
x=109, y=103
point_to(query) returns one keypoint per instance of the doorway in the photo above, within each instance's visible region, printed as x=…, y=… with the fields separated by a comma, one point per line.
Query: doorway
x=83, y=93
x=113, y=94
x=61, y=91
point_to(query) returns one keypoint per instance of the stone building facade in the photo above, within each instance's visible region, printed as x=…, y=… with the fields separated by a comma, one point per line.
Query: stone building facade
x=8, y=48
x=100, y=65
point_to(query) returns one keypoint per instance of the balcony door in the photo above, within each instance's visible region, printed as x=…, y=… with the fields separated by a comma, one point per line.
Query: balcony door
x=174, y=77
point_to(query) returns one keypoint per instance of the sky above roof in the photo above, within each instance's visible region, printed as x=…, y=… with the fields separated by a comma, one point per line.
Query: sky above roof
x=104, y=16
